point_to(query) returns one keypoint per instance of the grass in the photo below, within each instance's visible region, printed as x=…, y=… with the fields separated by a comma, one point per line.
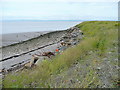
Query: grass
x=99, y=36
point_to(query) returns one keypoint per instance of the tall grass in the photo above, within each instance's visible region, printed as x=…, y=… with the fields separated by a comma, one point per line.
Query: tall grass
x=99, y=35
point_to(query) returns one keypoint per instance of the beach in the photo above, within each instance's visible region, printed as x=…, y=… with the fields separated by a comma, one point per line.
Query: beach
x=21, y=52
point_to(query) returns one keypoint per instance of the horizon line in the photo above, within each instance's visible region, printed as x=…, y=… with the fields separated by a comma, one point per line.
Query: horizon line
x=55, y=20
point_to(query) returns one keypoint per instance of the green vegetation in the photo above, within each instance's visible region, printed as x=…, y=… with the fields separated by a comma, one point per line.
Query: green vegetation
x=99, y=38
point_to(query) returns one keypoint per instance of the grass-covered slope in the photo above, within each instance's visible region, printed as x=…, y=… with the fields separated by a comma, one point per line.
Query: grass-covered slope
x=92, y=63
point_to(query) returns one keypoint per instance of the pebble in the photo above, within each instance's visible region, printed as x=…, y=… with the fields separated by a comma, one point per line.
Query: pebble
x=98, y=68
x=116, y=59
x=109, y=52
x=104, y=58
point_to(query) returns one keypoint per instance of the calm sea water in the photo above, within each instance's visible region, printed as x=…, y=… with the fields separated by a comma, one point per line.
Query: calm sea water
x=35, y=26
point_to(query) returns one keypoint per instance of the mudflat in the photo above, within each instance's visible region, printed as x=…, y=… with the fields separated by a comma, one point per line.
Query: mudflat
x=12, y=38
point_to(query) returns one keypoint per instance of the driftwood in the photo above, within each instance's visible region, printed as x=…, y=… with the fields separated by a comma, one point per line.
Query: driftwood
x=3, y=70
x=48, y=54
x=32, y=62
x=65, y=44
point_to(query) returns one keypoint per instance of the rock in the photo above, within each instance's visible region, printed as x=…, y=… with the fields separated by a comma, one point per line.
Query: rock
x=28, y=65
x=105, y=58
x=109, y=52
x=98, y=68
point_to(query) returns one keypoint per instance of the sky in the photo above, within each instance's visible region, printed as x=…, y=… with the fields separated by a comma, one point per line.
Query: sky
x=59, y=9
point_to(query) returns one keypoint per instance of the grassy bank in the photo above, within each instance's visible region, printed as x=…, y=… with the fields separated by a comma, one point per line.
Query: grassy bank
x=99, y=38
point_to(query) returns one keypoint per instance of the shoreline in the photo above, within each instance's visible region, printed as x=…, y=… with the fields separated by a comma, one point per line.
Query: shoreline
x=21, y=52
x=8, y=39
x=16, y=38
x=30, y=44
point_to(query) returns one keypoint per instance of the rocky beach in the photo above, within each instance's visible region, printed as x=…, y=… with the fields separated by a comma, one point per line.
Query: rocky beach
x=16, y=54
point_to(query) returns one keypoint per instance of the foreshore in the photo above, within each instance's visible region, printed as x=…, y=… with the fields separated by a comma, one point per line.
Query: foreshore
x=12, y=38
x=21, y=52
x=31, y=44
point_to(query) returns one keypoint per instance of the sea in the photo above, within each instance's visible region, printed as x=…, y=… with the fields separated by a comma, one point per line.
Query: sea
x=35, y=26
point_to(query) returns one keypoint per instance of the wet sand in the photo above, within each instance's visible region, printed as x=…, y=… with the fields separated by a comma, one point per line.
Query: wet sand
x=8, y=39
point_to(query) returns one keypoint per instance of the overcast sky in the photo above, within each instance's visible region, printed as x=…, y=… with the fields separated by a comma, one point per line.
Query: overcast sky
x=59, y=9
